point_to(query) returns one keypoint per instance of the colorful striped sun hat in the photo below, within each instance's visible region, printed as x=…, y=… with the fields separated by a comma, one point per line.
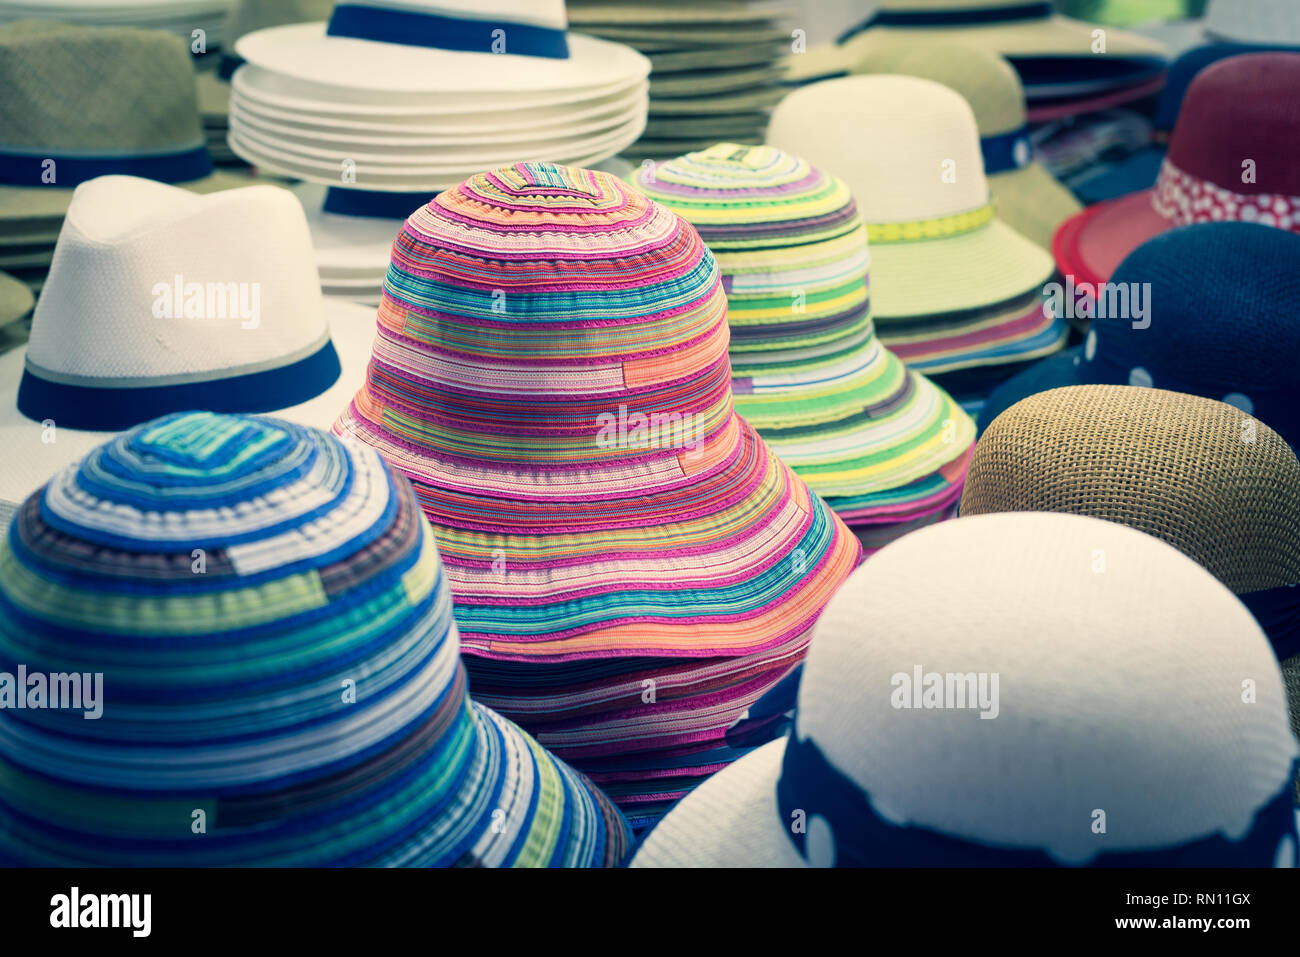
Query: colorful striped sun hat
x=256, y=618
x=881, y=443
x=632, y=566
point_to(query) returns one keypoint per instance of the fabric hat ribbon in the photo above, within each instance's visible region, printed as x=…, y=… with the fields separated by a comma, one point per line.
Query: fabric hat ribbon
x=1006, y=151
x=811, y=786
x=1183, y=198
x=43, y=167
x=942, y=226
x=384, y=24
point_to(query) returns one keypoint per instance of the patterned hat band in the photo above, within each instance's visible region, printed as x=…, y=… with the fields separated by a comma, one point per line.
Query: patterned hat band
x=942, y=227
x=1183, y=198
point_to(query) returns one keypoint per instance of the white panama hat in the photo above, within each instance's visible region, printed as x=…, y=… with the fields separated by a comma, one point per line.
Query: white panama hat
x=450, y=46
x=138, y=319
x=1140, y=716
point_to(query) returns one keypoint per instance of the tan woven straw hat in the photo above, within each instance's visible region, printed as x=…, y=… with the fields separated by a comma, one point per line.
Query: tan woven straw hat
x=1216, y=484
x=81, y=102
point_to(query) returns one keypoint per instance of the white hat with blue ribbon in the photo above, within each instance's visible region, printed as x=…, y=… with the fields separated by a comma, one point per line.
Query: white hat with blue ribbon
x=445, y=47
x=1018, y=689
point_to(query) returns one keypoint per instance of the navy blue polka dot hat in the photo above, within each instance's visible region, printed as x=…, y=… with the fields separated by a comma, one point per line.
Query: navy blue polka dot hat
x=1208, y=309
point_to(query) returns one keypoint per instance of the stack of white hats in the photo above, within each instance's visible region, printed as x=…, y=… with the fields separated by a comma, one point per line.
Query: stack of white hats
x=392, y=101
x=181, y=17
x=716, y=72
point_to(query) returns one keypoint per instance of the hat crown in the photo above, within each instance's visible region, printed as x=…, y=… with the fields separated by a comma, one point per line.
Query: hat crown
x=753, y=203
x=147, y=284
x=1225, y=287
x=1110, y=650
x=528, y=305
x=1239, y=125
x=95, y=90
x=1191, y=477
x=985, y=80
x=908, y=148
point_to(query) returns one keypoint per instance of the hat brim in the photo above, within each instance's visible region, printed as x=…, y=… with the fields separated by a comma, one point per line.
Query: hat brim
x=1032, y=202
x=822, y=62
x=16, y=299
x=303, y=51
x=731, y=820
x=520, y=127
x=47, y=205
x=727, y=547
x=1133, y=173
x=988, y=265
x=553, y=816
x=887, y=451
x=1045, y=110
x=1048, y=36
x=30, y=459
x=408, y=179
x=737, y=55
x=404, y=156
x=1014, y=331
x=1091, y=244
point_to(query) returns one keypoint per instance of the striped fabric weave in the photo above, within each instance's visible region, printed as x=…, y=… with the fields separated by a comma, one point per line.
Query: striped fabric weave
x=632, y=566
x=880, y=442
x=281, y=679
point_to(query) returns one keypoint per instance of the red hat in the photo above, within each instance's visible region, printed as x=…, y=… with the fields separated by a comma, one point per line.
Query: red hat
x=1229, y=159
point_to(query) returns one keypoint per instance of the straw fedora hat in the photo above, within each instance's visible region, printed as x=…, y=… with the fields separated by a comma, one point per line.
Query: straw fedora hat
x=82, y=102
x=267, y=613
x=1031, y=717
x=161, y=300
x=1204, y=309
x=946, y=271
x=1025, y=195
x=1228, y=159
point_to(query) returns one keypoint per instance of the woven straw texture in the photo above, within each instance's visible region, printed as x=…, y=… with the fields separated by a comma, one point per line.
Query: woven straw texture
x=95, y=89
x=1176, y=466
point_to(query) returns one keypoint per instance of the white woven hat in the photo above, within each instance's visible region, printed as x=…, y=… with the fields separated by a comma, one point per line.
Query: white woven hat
x=1021, y=688
x=160, y=300
x=909, y=149
x=445, y=47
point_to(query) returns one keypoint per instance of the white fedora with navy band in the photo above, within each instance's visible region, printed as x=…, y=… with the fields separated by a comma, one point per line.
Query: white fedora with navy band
x=391, y=101
x=1015, y=690
x=159, y=301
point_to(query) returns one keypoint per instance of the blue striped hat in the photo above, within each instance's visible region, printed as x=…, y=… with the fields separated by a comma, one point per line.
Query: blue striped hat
x=228, y=640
